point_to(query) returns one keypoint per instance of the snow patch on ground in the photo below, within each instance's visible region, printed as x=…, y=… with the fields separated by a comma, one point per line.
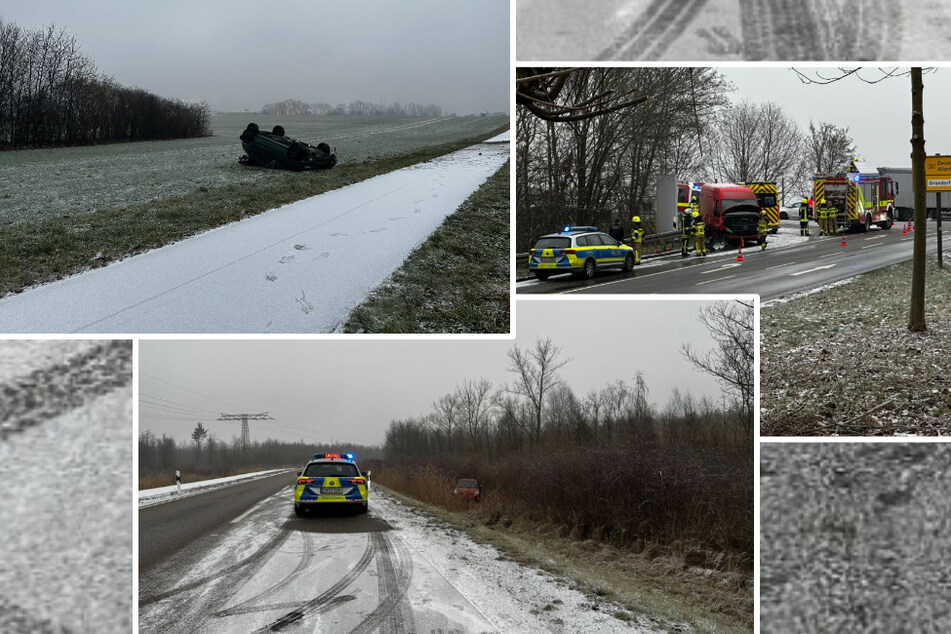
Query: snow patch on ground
x=148, y=497
x=513, y=597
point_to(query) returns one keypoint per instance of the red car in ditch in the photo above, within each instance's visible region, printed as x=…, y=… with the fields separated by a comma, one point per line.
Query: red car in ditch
x=468, y=489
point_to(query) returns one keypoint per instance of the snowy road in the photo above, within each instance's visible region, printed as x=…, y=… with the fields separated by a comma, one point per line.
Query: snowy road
x=65, y=487
x=298, y=268
x=732, y=30
x=392, y=570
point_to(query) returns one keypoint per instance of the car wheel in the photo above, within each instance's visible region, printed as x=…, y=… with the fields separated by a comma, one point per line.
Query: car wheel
x=542, y=275
x=278, y=130
x=629, y=263
x=295, y=151
x=323, y=147
x=364, y=507
x=590, y=267
x=887, y=224
x=298, y=511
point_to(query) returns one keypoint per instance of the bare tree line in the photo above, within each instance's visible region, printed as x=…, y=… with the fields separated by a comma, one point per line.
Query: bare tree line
x=290, y=107
x=538, y=409
x=589, y=170
x=51, y=94
x=209, y=454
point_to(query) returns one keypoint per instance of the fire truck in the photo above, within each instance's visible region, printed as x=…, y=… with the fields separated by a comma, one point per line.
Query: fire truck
x=685, y=191
x=768, y=201
x=860, y=197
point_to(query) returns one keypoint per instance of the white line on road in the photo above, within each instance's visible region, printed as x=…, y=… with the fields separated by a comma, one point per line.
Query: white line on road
x=873, y=245
x=827, y=255
x=715, y=280
x=818, y=268
x=248, y=512
x=725, y=266
x=776, y=266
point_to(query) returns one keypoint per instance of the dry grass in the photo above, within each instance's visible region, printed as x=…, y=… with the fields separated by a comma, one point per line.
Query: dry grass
x=842, y=361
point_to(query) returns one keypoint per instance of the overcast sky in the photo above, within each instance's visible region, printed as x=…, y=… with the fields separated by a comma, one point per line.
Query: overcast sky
x=878, y=115
x=350, y=390
x=238, y=54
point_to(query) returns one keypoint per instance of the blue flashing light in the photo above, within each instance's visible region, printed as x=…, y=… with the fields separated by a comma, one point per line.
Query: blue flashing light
x=349, y=456
x=567, y=228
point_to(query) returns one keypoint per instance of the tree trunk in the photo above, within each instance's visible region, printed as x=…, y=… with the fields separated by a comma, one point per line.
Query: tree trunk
x=916, y=321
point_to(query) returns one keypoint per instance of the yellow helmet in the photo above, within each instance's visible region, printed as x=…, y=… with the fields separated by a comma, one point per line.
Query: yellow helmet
x=636, y=219
x=805, y=200
x=823, y=201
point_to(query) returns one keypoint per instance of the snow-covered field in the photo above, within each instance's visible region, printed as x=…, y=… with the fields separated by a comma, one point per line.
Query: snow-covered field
x=66, y=510
x=392, y=570
x=39, y=184
x=298, y=268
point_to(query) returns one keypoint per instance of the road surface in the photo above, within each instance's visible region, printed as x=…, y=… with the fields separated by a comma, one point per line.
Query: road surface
x=257, y=567
x=298, y=268
x=772, y=273
x=66, y=487
x=750, y=30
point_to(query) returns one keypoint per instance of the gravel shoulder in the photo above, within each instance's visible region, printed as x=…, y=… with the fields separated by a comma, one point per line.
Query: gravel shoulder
x=841, y=361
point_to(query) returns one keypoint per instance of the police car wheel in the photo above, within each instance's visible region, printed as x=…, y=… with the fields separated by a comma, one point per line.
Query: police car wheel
x=298, y=511
x=363, y=508
x=629, y=263
x=589, y=268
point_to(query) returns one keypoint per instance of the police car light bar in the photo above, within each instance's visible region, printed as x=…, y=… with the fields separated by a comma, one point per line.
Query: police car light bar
x=333, y=456
x=569, y=228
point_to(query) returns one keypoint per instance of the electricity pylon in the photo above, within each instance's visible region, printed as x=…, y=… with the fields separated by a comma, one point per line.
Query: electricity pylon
x=244, y=418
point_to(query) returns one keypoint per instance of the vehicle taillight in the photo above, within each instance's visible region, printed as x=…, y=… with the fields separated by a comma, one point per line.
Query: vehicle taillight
x=570, y=251
x=357, y=481
x=305, y=480
x=531, y=252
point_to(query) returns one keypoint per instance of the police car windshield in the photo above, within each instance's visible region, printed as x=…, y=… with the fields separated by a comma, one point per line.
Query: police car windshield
x=331, y=469
x=553, y=242
x=730, y=203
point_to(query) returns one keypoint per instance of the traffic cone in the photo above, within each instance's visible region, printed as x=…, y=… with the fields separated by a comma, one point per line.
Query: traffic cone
x=843, y=240
x=739, y=252
x=904, y=230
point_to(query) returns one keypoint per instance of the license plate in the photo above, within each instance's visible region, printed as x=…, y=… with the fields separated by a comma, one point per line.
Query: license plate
x=331, y=491
x=548, y=260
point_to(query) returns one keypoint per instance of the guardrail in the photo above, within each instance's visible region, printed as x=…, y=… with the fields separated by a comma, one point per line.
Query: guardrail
x=669, y=240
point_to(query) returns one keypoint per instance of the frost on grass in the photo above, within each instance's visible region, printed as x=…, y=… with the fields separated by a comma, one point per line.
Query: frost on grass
x=36, y=185
x=842, y=361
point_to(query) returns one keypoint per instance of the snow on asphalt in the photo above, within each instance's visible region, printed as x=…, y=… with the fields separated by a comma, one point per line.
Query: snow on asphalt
x=513, y=597
x=298, y=268
x=148, y=497
x=66, y=511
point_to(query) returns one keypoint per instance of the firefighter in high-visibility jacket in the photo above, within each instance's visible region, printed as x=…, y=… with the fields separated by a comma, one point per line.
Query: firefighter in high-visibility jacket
x=637, y=238
x=804, y=217
x=698, y=234
x=823, y=214
x=833, y=220
x=686, y=229
x=763, y=230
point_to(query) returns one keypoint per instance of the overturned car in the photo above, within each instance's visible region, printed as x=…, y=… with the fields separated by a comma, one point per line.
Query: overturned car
x=275, y=149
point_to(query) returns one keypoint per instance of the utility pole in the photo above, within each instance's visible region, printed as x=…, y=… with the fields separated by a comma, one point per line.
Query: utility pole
x=916, y=318
x=244, y=418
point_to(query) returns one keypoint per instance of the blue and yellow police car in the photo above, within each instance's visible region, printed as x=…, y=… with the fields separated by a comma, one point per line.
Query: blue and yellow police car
x=331, y=479
x=579, y=250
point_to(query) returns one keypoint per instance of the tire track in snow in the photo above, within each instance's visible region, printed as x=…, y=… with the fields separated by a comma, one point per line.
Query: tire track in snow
x=652, y=32
x=50, y=392
x=395, y=570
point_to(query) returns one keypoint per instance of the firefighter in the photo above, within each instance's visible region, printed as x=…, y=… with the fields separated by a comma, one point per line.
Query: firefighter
x=637, y=238
x=686, y=229
x=804, y=217
x=823, y=215
x=701, y=245
x=833, y=220
x=617, y=231
x=763, y=229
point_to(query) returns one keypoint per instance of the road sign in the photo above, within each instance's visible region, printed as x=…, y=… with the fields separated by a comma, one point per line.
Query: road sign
x=938, y=173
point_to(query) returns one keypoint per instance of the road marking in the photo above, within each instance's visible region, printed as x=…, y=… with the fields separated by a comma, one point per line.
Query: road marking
x=827, y=255
x=878, y=237
x=248, y=512
x=818, y=268
x=725, y=266
x=873, y=246
x=715, y=280
x=776, y=266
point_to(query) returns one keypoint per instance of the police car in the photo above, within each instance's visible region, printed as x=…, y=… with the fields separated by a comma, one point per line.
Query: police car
x=331, y=479
x=578, y=250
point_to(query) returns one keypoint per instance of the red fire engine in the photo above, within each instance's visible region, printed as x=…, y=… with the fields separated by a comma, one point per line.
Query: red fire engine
x=860, y=197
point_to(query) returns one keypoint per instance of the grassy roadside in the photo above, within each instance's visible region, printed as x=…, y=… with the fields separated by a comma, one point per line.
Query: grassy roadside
x=658, y=586
x=457, y=280
x=167, y=479
x=52, y=249
x=842, y=361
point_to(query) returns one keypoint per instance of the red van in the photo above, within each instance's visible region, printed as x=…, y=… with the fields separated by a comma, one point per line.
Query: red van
x=730, y=212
